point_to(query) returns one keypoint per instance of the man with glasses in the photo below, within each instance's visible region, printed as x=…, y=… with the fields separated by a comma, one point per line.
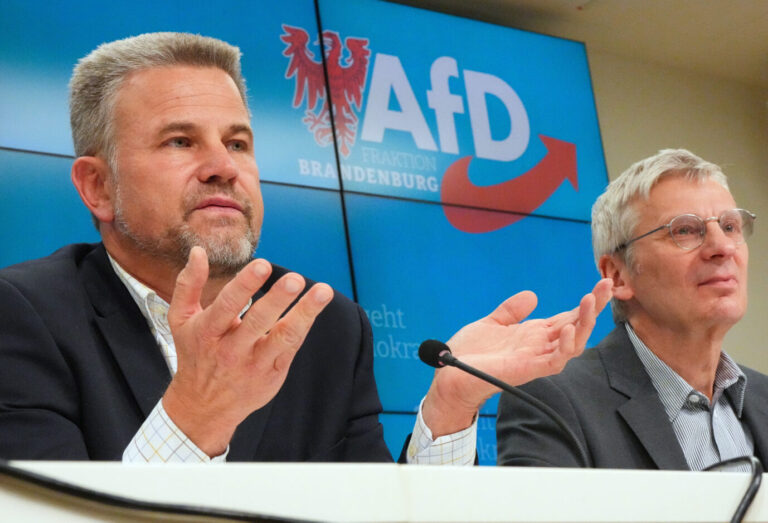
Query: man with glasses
x=658, y=392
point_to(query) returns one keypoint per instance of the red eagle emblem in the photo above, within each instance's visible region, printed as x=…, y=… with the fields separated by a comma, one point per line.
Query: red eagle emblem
x=346, y=76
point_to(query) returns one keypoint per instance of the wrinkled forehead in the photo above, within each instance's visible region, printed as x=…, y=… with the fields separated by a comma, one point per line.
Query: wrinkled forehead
x=151, y=99
x=177, y=81
x=677, y=193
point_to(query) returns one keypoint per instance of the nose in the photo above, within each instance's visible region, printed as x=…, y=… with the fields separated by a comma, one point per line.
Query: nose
x=217, y=165
x=716, y=243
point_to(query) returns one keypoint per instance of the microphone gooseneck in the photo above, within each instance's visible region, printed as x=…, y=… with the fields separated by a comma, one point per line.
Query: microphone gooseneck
x=437, y=354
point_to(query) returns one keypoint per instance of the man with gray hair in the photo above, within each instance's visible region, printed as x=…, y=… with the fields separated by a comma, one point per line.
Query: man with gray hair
x=167, y=342
x=658, y=392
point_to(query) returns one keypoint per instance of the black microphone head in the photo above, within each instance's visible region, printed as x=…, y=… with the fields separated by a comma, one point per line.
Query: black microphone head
x=430, y=352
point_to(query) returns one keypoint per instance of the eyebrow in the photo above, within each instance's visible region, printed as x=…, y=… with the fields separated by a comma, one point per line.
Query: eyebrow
x=188, y=127
x=241, y=128
x=177, y=127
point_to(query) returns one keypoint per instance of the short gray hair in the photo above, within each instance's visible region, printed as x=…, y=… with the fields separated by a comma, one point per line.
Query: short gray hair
x=97, y=78
x=614, y=216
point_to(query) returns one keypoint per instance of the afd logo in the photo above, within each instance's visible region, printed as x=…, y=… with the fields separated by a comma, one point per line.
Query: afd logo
x=392, y=104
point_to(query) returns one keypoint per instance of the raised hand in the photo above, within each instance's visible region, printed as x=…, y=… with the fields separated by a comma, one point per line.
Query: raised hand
x=513, y=350
x=230, y=366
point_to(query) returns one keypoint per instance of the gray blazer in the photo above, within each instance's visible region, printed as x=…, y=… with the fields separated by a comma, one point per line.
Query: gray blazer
x=609, y=402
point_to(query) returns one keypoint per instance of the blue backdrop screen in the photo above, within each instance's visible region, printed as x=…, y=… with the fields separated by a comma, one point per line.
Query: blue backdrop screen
x=457, y=167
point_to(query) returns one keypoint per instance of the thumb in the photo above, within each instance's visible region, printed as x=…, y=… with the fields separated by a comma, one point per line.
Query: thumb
x=185, y=301
x=515, y=308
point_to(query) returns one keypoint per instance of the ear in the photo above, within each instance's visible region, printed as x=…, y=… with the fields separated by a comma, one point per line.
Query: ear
x=611, y=266
x=92, y=179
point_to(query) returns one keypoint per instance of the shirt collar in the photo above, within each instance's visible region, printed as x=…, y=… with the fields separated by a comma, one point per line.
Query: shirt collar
x=674, y=391
x=152, y=306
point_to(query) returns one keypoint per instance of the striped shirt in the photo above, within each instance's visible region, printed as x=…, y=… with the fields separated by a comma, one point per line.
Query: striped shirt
x=707, y=432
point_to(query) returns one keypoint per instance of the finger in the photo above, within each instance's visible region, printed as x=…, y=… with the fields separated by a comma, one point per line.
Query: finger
x=264, y=313
x=290, y=331
x=514, y=309
x=603, y=292
x=565, y=348
x=235, y=295
x=185, y=301
x=569, y=346
x=537, y=333
x=528, y=363
x=587, y=320
x=558, y=321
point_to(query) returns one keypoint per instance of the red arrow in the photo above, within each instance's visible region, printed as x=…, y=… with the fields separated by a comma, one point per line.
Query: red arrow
x=521, y=195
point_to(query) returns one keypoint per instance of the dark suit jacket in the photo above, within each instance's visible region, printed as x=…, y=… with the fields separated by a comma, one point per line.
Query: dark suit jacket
x=609, y=402
x=80, y=371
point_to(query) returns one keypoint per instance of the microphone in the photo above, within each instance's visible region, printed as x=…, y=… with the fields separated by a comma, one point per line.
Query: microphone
x=437, y=354
x=431, y=352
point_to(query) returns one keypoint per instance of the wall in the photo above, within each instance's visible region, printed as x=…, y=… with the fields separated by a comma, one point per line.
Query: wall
x=644, y=107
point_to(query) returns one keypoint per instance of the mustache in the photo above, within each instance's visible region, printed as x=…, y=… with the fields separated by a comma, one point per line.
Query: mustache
x=193, y=199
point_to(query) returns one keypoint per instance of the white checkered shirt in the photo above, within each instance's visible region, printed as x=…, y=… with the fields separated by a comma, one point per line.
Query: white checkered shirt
x=458, y=448
x=160, y=440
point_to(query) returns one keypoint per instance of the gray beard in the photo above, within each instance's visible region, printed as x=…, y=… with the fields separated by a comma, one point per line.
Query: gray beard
x=227, y=255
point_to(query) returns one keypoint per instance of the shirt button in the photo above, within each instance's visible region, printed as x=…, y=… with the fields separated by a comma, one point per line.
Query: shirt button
x=693, y=398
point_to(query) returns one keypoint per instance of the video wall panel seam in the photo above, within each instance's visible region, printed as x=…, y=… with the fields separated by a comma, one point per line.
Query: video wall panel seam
x=345, y=191
x=39, y=153
x=468, y=207
x=337, y=158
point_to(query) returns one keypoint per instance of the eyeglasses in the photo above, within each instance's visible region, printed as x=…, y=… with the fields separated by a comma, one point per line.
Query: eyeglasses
x=688, y=230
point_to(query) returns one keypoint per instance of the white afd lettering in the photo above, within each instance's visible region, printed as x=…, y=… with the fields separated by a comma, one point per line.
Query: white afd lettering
x=388, y=76
x=444, y=103
x=514, y=145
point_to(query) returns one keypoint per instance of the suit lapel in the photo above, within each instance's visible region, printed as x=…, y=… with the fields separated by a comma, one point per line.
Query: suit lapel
x=652, y=427
x=643, y=411
x=125, y=331
x=756, y=414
